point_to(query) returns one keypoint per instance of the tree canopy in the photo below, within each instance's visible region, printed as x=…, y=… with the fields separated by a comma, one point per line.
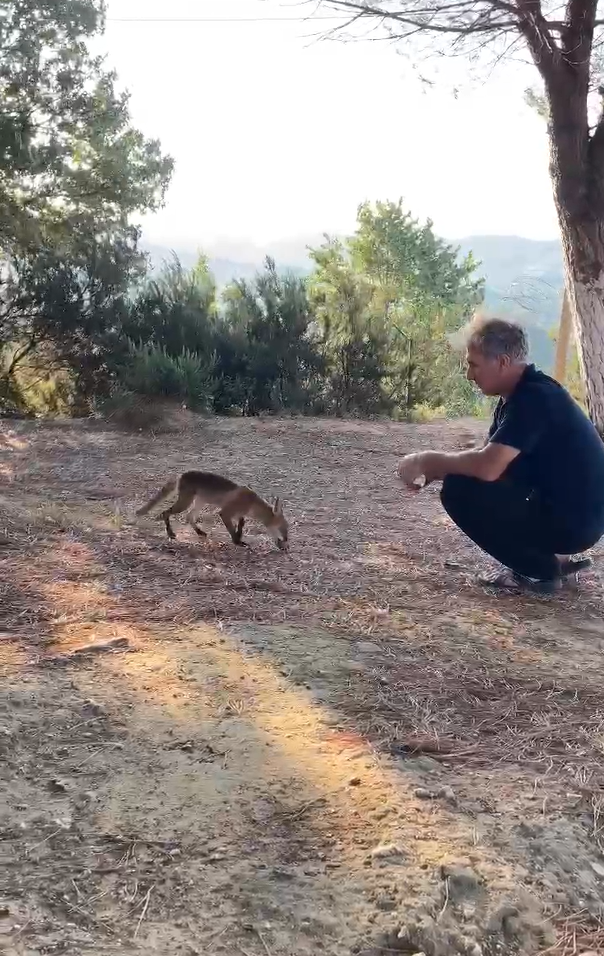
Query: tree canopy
x=70, y=160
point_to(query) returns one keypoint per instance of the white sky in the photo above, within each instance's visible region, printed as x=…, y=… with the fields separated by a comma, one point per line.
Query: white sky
x=276, y=135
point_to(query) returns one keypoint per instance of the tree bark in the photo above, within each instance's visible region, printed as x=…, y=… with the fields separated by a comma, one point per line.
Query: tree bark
x=563, y=340
x=583, y=247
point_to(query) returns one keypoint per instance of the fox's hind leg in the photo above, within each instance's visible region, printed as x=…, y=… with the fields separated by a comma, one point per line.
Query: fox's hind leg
x=193, y=519
x=184, y=501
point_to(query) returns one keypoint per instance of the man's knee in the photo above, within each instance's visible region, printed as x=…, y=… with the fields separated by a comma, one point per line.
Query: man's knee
x=457, y=493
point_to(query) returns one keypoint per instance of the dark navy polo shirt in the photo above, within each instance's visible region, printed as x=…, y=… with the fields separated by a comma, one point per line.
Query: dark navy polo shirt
x=561, y=456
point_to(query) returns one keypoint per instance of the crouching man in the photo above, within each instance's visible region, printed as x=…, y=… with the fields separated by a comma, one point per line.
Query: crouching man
x=533, y=496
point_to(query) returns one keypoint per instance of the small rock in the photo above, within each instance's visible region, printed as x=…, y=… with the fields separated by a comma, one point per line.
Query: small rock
x=388, y=851
x=81, y=800
x=422, y=794
x=355, y=667
x=463, y=880
x=57, y=786
x=354, y=782
x=448, y=794
x=368, y=647
x=598, y=869
x=386, y=904
x=418, y=762
x=527, y=829
x=473, y=949
x=503, y=920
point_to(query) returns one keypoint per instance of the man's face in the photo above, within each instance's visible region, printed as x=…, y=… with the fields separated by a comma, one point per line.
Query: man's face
x=488, y=374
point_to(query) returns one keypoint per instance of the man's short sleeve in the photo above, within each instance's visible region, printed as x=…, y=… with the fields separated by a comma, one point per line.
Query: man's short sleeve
x=495, y=422
x=521, y=424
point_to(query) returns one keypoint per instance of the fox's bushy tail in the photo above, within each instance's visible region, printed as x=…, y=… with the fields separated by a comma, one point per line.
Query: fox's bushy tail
x=167, y=489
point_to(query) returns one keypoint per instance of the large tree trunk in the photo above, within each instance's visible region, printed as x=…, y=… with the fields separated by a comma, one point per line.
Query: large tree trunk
x=577, y=171
x=583, y=246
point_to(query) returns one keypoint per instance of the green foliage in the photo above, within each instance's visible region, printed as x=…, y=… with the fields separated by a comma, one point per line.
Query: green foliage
x=186, y=377
x=354, y=348
x=385, y=301
x=365, y=334
x=268, y=357
x=176, y=310
x=408, y=262
x=70, y=162
x=60, y=312
x=73, y=172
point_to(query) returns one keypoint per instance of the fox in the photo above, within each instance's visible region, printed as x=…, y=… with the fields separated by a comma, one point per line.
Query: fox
x=236, y=503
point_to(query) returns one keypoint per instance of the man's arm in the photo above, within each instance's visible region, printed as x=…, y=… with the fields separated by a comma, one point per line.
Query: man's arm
x=487, y=464
x=517, y=432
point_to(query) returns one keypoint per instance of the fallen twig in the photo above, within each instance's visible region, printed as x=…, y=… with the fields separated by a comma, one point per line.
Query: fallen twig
x=117, y=643
x=146, y=902
x=445, y=904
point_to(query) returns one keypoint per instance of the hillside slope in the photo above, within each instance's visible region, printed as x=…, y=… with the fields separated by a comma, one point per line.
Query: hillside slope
x=349, y=748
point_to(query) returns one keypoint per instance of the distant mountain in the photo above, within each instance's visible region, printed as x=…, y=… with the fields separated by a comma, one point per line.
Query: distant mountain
x=524, y=277
x=225, y=270
x=524, y=280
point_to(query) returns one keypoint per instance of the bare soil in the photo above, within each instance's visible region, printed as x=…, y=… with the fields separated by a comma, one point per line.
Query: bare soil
x=347, y=749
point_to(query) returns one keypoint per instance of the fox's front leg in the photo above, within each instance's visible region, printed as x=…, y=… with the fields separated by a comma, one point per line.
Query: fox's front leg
x=166, y=519
x=236, y=533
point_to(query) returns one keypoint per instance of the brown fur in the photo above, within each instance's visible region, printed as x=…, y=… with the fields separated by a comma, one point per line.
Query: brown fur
x=236, y=503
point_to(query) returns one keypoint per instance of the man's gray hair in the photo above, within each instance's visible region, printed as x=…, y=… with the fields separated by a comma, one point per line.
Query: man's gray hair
x=495, y=338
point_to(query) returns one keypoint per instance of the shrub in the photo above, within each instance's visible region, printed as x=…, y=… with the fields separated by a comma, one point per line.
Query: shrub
x=187, y=377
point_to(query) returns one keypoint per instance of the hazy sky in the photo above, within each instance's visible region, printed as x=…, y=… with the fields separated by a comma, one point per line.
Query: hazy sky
x=277, y=135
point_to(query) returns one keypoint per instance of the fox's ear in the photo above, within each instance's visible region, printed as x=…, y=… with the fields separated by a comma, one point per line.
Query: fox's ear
x=277, y=506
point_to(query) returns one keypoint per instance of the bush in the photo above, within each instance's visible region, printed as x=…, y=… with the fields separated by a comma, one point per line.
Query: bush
x=187, y=377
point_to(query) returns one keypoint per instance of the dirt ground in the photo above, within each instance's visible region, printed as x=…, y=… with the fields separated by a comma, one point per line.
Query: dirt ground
x=347, y=749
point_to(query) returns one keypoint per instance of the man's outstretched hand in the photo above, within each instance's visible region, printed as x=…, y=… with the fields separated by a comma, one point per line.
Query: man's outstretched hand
x=412, y=468
x=486, y=464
